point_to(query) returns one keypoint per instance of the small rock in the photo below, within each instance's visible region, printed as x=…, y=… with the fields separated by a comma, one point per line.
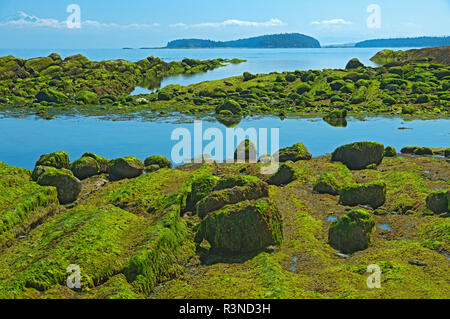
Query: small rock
x=341, y=255
x=416, y=262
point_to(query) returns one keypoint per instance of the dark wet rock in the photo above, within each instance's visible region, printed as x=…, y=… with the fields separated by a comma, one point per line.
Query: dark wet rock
x=57, y=160
x=126, y=167
x=38, y=171
x=161, y=161
x=372, y=194
x=416, y=262
x=229, y=107
x=327, y=184
x=285, y=174
x=152, y=168
x=219, y=199
x=294, y=153
x=248, y=226
x=353, y=64
x=246, y=152
x=438, y=202
x=352, y=232
x=390, y=151
x=416, y=150
x=67, y=185
x=51, y=95
x=85, y=167
x=248, y=76
x=359, y=155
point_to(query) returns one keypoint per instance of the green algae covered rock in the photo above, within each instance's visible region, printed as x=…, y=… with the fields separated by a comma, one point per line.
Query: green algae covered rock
x=359, y=155
x=39, y=64
x=248, y=76
x=246, y=152
x=438, y=202
x=285, y=174
x=229, y=106
x=327, y=184
x=200, y=187
x=390, y=151
x=353, y=64
x=297, y=152
x=352, y=232
x=67, y=185
x=234, y=180
x=87, y=97
x=248, y=226
x=219, y=199
x=101, y=161
x=51, y=95
x=416, y=150
x=161, y=161
x=372, y=194
x=85, y=167
x=126, y=167
x=58, y=159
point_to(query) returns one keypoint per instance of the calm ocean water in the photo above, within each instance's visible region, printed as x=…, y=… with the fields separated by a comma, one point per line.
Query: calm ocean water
x=23, y=140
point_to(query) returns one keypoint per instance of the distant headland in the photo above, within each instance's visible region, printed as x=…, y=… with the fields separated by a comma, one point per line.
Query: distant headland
x=287, y=40
x=405, y=42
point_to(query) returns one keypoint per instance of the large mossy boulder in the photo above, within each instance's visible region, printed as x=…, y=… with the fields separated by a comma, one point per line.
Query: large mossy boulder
x=354, y=64
x=85, y=167
x=390, y=151
x=161, y=161
x=294, y=153
x=285, y=174
x=126, y=167
x=87, y=97
x=58, y=159
x=327, y=184
x=359, y=155
x=352, y=232
x=246, y=152
x=229, y=107
x=101, y=161
x=372, y=194
x=38, y=64
x=219, y=199
x=249, y=226
x=67, y=185
x=438, y=202
x=51, y=95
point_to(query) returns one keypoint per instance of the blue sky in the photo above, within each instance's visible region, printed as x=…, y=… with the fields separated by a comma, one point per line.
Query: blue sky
x=151, y=23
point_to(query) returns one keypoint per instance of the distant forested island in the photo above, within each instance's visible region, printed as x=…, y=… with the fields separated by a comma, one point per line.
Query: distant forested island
x=405, y=42
x=287, y=40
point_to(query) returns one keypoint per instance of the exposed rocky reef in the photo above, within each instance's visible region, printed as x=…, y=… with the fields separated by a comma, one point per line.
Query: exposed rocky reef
x=225, y=230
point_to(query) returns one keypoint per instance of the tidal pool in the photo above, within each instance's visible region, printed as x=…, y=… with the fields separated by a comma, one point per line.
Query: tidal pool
x=23, y=139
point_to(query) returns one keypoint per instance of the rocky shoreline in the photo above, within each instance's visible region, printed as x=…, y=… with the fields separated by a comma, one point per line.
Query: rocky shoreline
x=144, y=229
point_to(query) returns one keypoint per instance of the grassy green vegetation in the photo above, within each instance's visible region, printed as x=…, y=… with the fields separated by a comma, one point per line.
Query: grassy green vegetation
x=136, y=238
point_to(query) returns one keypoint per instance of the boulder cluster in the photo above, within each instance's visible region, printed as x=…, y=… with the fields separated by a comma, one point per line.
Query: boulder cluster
x=55, y=170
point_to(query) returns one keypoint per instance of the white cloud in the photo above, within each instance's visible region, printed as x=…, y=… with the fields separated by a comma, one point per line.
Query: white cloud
x=178, y=25
x=232, y=22
x=24, y=19
x=332, y=22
